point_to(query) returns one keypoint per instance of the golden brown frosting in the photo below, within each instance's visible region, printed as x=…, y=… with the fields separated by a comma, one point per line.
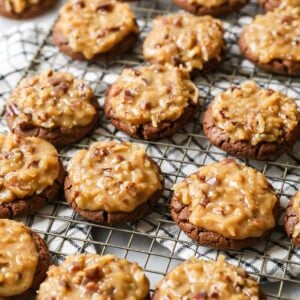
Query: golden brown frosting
x=18, y=258
x=95, y=26
x=52, y=99
x=112, y=176
x=275, y=35
x=207, y=279
x=250, y=113
x=95, y=277
x=18, y=6
x=296, y=209
x=208, y=3
x=228, y=198
x=27, y=166
x=284, y=3
x=184, y=39
x=151, y=94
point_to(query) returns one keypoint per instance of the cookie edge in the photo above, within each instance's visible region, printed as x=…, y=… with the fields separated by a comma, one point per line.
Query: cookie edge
x=32, y=204
x=290, y=221
x=32, y=12
x=147, y=131
x=217, y=11
x=102, y=217
x=212, y=239
x=277, y=66
x=124, y=46
x=58, y=136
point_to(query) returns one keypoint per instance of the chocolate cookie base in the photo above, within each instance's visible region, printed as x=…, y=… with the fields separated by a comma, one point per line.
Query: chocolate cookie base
x=123, y=46
x=216, y=11
x=32, y=11
x=290, y=221
x=261, y=151
x=103, y=217
x=58, y=136
x=278, y=66
x=31, y=204
x=269, y=5
x=41, y=269
x=180, y=214
x=156, y=296
x=147, y=131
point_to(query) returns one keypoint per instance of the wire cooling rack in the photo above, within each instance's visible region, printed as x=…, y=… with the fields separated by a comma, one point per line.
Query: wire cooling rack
x=155, y=242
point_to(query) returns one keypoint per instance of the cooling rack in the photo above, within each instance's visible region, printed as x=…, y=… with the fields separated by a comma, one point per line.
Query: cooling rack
x=155, y=242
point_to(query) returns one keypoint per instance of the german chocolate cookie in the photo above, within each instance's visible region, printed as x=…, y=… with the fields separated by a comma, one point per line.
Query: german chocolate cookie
x=225, y=205
x=54, y=106
x=112, y=183
x=195, y=43
x=24, y=260
x=292, y=219
x=217, y=8
x=30, y=175
x=252, y=122
x=272, y=4
x=91, y=276
x=97, y=30
x=151, y=102
x=198, y=279
x=271, y=41
x=24, y=9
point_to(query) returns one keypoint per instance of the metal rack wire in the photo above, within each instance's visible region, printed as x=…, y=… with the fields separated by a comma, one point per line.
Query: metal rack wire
x=149, y=241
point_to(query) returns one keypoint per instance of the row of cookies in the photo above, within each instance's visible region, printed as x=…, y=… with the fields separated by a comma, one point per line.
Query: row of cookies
x=196, y=43
x=23, y=9
x=223, y=205
x=25, y=260
x=152, y=102
x=101, y=30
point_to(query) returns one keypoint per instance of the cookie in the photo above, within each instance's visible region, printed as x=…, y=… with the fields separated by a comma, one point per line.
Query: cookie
x=24, y=260
x=30, y=175
x=151, y=102
x=91, y=276
x=95, y=30
x=24, y=9
x=271, y=41
x=217, y=8
x=225, y=205
x=292, y=219
x=195, y=43
x=112, y=183
x=53, y=106
x=272, y=4
x=252, y=122
x=200, y=279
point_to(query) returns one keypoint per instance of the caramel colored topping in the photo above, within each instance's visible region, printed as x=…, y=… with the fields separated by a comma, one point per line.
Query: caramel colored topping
x=50, y=100
x=27, y=167
x=19, y=6
x=18, y=258
x=296, y=208
x=111, y=176
x=208, y=3
x=151, y=94
x=228, y=198
x=284, y=3
x=183, y=39
x=95, y=26
x=275, y=35
x=95, y=277
x=249, y=113
x=206, y=279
